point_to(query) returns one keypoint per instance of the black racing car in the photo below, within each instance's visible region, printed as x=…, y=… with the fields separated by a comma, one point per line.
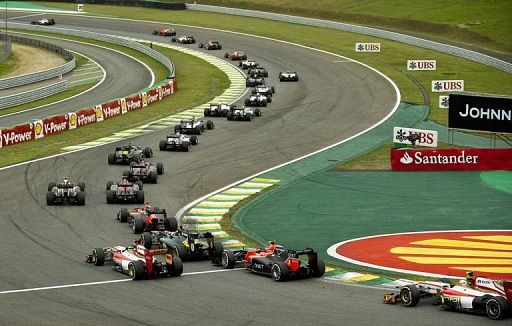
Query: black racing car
x=129, y=153
x=194, y=126
x=254, y=81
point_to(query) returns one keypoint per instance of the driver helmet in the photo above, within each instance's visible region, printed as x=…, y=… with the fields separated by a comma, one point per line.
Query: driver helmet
x=65, y=181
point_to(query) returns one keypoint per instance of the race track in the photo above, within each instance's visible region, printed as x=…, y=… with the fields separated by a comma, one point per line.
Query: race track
x=44, y=246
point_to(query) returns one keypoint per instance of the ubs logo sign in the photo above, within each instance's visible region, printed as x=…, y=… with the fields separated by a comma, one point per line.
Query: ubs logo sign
x=421, y=65
x=367, y=47
x=447, y=86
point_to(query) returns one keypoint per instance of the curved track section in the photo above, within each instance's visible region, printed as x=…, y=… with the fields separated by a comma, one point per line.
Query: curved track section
x=124, y=76
x=45, y=245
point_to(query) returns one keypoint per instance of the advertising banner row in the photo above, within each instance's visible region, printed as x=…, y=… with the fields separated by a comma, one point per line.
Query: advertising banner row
x=454, y=159
x=41, y=128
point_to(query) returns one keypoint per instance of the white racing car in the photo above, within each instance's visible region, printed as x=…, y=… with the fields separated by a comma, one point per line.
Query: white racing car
x=243, y=114
x=178, y=142
x=288, y=76
x=246, y=64
x=479, y=295
x=218, y=110
x=258, y=100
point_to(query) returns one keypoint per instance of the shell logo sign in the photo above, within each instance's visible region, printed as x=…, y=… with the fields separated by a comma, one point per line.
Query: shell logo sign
x=99, y=113
x=433, y=253
x=38, y=129
x=72, y=120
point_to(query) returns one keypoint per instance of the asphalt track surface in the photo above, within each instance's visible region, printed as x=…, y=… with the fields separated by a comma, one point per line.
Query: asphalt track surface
x=44, y=246
x=124, y=76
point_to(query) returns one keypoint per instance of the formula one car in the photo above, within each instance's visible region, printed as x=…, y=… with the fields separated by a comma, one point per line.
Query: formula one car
x=194, y=126
x=211, y=45
x=248, y=63
x=184, y=39
x=137, y=261
x=124, y=191
x=43, y=22
x=258, y=100
x=276, y=262
x=218, y=110
x=257, y=72
x=144, y=171
x=477, y=295
x=65, y=191
x=253, y=82
x=244, y=113
x=265, y=90
x=185, y=244
x=147, y=218
x=129, y=153
x=235, y=55
x=178, y=142
x=165, y=32
x=288, y=76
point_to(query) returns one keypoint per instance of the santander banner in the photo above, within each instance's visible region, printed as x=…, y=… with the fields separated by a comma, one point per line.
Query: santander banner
x=451, y=159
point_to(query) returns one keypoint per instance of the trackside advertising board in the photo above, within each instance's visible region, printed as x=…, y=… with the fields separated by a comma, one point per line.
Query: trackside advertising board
x=426, y=138
x=480, y=112
x=367, y=47
x=454, y=159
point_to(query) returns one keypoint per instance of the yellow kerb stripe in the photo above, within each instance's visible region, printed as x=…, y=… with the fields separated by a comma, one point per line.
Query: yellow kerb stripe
x=498, y=270
x=496, y=238
x=463, y=244
x=456, y=261
x=450, y=252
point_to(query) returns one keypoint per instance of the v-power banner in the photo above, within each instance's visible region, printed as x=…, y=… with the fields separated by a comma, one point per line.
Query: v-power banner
x=480, y=112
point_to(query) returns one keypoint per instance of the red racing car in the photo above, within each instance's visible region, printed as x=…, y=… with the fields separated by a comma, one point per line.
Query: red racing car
x=478, y=295
x=165, y=32
x=235, y=55
x=276, y=262
x=137, y=261
x=147, y=218
x=211, y=45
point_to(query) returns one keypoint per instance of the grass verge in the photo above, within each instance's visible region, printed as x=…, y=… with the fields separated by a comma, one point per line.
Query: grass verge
x=201, y=82
x=9, y=65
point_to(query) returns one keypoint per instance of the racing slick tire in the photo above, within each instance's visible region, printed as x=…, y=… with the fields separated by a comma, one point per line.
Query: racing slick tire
x=111, y=158
x=160, y=168
x=173, y=40
x=162, y=145
x=80, y=198
x=240, y=63
x=257, y=111
x=177, y=266
x=253, y=91
x=172, y=225
x=220, y=47
x=197, y=130
x=207, y=112
x=279, y=272
x=110, y=197
x=226, y=55
x=228, y=259
x=264, y=103
x=147, y=239
x=139, y=184
x=153, y=177
x=248, y=117
x=265, y=74
x=123, y=215
x=229, y=116
x=126, y=173
x=272, y=89
x=194, y=140
x=185, y=146
x=138, y=224
x=51, y=185
x=148, y=152
x=50, y=198
x=81, y=185
x=136, y=270
x=218, y=249
x=319, y=269
x=269, y=99
x=409, y=295
x=177, y=128
x=210, y=125
x=179, y=250
x=247, y=102
x=497, y=308
x=98, y=256
x=140, y=196
x=109, y=185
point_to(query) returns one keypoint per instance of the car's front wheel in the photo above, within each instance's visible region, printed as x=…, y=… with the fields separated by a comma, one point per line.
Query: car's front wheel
x=409, y=296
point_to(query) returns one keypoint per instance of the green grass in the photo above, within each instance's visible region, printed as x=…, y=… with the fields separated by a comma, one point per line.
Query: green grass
x=201, y=82
x=391, y=61
x=47, y=100
x=9, y=65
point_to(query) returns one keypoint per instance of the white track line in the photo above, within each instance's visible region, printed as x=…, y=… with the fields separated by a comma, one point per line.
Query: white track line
x=32, y=15
x=65, y=286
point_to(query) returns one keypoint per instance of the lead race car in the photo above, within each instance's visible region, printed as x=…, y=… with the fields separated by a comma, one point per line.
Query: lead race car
x=243, y=113
x=65, y=191
x=276, y=262
x=165, y=32
x=477, y=295
x=178, y=142
x=288, y=76
x=137, y=261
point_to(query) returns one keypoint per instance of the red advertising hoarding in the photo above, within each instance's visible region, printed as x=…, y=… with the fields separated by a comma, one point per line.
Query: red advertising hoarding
x=152, y=96
x=85, y=117
x=55, y=124
x=451, y=159
x=134, y=102
x=17, y=134
x=111, y=109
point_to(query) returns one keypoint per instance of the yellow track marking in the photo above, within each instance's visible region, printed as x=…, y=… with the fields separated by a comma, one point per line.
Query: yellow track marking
x=496, y=238
x=498, y=270
x=450, y=252
x=463, y=244
x=456, y=260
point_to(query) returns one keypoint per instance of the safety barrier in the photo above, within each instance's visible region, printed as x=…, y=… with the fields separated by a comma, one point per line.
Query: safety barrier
x=407, y=39
x=40, y=75
x=33, y=95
